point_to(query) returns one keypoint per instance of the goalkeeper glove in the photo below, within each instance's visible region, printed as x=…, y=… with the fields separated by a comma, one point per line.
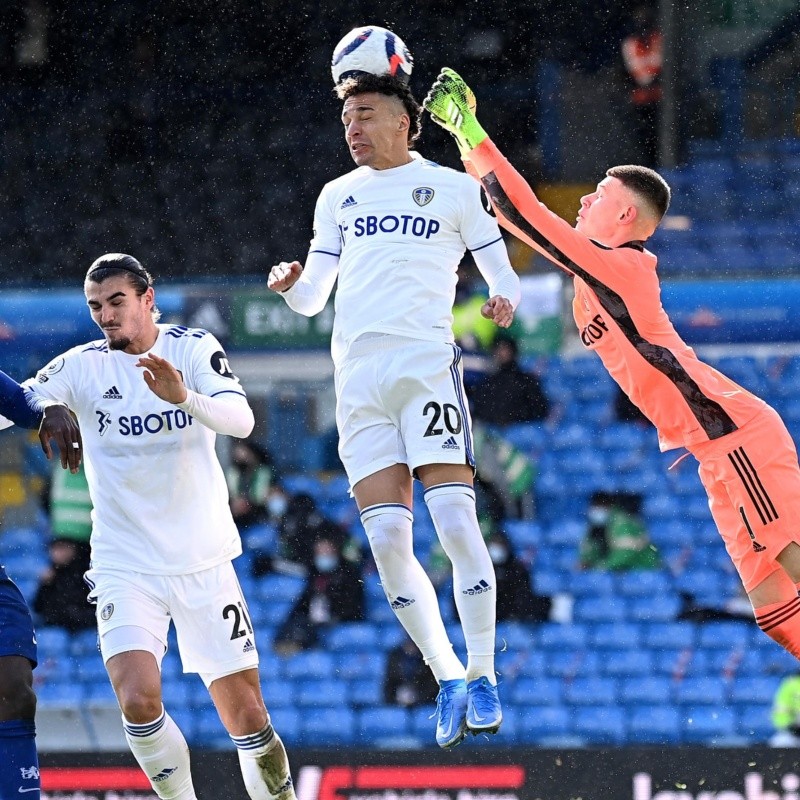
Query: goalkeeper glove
x=451, y=104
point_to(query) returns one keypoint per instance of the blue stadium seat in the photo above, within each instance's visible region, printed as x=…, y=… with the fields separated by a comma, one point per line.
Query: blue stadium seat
x=726, y=634
x=60, y=693
x=569, y=663
x=701, y=690
x=523, y=533
x=367, y=691
x=653, y=609
x=555, y=636
x=278, y=692
x=100, y=692
x=536, y=691
x=600, y=724
x=643, y=582
x=82, y=643
x=208, y=729
x=591, y=691
x=52, y=641
x=628, y=664
x=708, y=724
x=515, y=636
x=654, y=724
x=321, y=692
x=615, y=635
x=326, y=727
x=669, y=635
x=603, y=608
x=382, y=723
x=288, y=724
x=309, y=664
x=360, y=665
x=352, y=637
x=755, y=689
x=755, y=721
x=537, y=722
x=591, y=583
x=646, y=690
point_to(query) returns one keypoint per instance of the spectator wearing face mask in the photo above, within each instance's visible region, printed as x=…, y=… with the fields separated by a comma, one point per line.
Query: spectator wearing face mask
x=334, y=593
x=616, y=537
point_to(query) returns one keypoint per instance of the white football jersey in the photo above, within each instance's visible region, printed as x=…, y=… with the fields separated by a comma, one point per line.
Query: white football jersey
x=400, y=235
x=158, y=490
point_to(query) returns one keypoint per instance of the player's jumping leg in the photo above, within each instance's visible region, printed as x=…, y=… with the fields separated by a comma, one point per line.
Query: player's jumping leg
x=776, y=602
x=388, y=524
x=262, y=756
x=153, y=737
x=452, y=508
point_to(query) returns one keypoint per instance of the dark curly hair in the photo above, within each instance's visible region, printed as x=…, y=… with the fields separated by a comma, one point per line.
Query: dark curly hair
x=391, y=86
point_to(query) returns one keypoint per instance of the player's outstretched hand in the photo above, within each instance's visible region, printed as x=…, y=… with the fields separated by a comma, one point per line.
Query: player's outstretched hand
x=163, y=379
x=451, y=104
x=284, y=275
x=59, y=425
x=499, y=310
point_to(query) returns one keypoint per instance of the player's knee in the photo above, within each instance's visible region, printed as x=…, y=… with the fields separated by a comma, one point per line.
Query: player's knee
x=17, y=701
x=139, y=707
x=389, y=538
x=247, y=717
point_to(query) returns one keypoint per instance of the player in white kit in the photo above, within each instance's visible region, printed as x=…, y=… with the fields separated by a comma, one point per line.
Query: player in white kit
x=150, y=399
x=393, y=232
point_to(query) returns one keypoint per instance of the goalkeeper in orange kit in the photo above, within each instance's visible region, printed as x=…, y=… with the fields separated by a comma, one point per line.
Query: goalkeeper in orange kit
x=748, y=462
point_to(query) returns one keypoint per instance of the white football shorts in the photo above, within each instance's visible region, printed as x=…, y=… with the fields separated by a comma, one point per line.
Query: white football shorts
x=212, y=623
x=401, y=401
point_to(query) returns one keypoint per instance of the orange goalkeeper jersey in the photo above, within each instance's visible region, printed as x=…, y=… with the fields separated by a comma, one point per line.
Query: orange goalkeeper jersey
x=617, y=308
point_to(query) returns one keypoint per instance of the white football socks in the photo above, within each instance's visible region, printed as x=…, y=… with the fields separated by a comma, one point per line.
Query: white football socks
x=452, y=509
x=264, y=765
x=408, y=588
x=163, y=755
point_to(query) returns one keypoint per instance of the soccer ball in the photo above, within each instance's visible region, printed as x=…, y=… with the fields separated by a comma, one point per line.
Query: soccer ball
x=371, y=49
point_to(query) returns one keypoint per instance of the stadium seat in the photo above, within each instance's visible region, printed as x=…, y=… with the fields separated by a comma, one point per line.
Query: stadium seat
x=58, y=693
x=600, y=609
x=654, y=724
x=52, y=642
x=554, y=636
x=591, y=583
x=352, y=637
x=708, y=724
x=327, y=727
x=360, y=665
x=653, y=609
x=628, y=664
x=643, y=582
x=726, y=634
x=537, y=722
x=752, y=690
x=669, y=635
x=536, y=691
x=591, y=691
x=367, y=691
x=321, y=692
x=646, y=690
x=701, y=690
x=309, y=664
x=615, y=635
x=755, y=722
x=601, y=725
x=382, y=724
x=515, y=636
x=570, y=663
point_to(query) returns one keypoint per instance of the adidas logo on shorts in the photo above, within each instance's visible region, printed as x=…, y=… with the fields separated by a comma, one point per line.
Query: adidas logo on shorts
x=402, y=602
x=450, y=444
x=248, y=647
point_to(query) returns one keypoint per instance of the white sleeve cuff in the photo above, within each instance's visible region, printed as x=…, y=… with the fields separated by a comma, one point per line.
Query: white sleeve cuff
x=228, y=413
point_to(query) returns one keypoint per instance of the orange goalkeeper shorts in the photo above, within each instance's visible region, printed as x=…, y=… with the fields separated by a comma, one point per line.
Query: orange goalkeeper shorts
x=752, y=479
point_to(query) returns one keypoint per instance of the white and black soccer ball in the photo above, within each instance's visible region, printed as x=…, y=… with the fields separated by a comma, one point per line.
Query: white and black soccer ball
x=371, y=49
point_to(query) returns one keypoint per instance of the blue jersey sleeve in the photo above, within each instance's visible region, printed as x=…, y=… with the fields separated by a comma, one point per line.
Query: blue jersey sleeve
x=14, y=404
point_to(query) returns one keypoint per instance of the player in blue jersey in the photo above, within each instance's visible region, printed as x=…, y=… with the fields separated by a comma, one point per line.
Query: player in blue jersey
x=19, y=763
